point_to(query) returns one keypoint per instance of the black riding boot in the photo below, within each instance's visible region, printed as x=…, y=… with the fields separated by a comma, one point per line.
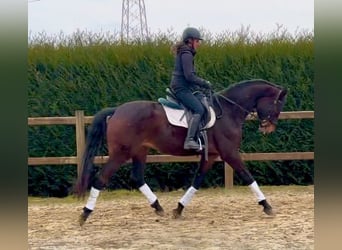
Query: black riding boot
x=190, y=142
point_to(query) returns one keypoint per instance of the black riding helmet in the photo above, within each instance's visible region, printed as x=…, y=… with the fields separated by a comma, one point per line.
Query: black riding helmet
x=191, y=33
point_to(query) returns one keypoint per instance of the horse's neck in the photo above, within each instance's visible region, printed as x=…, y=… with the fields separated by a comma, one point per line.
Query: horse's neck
x=243, y=99
x=233, y=107
x=248, y=96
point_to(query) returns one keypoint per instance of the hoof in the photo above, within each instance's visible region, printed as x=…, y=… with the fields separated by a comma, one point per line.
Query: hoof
x=160, y=212
x=267, y=208
x=269, y=211
x=158, y=208
x=84, y=216
x=82, y=219
x=176, y=214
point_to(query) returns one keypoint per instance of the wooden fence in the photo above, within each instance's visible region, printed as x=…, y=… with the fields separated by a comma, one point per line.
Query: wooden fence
x=80, y=120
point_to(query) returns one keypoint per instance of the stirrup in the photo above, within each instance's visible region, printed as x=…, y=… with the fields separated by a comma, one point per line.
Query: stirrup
x=191, y=144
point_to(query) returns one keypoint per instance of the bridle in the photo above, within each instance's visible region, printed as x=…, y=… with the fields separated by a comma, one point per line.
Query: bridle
x=263, y=122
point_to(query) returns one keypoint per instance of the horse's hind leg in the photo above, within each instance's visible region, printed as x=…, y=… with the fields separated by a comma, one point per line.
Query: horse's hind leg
x=139, y=181
x=99, y=183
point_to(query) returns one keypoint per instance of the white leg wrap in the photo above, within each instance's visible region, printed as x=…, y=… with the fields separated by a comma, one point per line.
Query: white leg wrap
x=257, y=192
x=151, y=197
x=188, y=196
x=94, y=193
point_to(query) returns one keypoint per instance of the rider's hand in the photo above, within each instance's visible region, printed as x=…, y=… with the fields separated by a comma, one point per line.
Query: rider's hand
x=207, y=85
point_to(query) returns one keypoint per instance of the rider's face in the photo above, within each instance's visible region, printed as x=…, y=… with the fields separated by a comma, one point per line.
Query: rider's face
x=196, y=43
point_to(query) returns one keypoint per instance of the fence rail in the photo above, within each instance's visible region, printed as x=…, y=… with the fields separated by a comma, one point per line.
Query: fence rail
x=80, y=120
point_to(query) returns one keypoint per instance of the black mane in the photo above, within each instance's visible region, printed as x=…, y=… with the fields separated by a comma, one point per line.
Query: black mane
x=238, y=85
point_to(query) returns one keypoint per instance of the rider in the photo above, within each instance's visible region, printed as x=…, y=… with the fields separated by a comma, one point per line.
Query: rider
x=185, y=81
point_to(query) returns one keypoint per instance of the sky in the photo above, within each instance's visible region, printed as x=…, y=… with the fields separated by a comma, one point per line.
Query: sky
x=215, y=16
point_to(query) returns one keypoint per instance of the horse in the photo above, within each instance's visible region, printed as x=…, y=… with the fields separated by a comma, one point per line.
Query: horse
x=133, y=128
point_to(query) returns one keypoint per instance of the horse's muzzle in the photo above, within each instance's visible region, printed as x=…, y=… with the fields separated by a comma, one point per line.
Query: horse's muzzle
x=266, y=127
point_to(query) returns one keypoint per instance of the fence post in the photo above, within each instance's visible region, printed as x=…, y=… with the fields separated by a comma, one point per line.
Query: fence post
x=80, y=138
x=228, y=176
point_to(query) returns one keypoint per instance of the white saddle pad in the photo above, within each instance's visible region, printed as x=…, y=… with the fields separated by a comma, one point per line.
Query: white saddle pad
x=176, y=117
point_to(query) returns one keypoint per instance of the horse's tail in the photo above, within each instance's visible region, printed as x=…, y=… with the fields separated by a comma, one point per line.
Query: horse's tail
x=95, y=139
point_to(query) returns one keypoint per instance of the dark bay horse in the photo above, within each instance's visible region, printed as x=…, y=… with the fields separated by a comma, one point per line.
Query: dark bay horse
x=132, y=128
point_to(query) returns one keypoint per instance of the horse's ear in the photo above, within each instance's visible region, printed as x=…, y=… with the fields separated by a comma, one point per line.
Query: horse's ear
x=283, y=93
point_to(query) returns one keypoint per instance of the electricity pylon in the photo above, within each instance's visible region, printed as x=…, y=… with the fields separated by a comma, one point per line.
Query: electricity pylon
x=133, y=22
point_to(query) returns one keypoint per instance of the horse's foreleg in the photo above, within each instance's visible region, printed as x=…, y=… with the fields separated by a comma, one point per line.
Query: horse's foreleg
x=139, y=182
x=248, y=180
x=184, y=201
x=189, y=194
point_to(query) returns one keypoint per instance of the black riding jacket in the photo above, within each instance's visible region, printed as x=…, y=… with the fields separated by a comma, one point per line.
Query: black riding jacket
x=184, y=75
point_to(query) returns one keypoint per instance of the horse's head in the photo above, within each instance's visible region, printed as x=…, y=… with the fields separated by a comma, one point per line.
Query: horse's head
x=264, y=97
x=268, y=109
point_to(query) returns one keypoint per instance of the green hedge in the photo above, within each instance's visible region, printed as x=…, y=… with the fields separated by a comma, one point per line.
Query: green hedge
x=89, y=73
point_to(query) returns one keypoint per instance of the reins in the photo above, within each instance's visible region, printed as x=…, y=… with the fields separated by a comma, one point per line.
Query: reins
x=236, y=104
x=214, y=97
